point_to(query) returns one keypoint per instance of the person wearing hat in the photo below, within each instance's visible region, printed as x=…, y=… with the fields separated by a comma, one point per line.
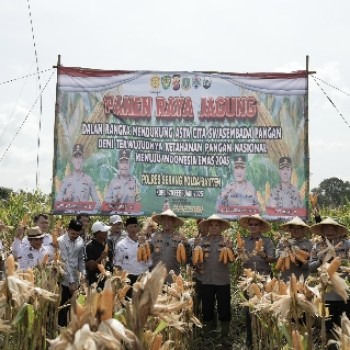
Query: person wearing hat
x=33, y=254
x=124, y=188
x=71, y=247
x=285, y=195
x=337, y=235
x=125, y=257
x=98, y=251
x=215, y=275
x=116, y=232
x=239, y=192
x=78, y=186
x=258, y=261
x=42, y=221
x=164, y=243
x=298, y=231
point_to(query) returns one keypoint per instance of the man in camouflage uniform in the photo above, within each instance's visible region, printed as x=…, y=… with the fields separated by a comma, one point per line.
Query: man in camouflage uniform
x=240, y=191
x=124, y=187
x=285, y=195
x=78, y=187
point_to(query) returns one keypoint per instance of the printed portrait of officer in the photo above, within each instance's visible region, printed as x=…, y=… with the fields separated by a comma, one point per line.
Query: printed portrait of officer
x=285, y=195
x=124, y=187
x=240, y=191
x=78, y=186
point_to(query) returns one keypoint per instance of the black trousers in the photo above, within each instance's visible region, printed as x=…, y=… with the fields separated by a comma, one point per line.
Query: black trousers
x=212, y=293
x=63, y=313
x=336, y=309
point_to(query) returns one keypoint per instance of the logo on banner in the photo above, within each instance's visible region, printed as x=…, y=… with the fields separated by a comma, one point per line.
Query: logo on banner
x=176, y=82
x=186, y=83
x=155, y=82
x=166, y=81
x=196, y=81
x=206, y=83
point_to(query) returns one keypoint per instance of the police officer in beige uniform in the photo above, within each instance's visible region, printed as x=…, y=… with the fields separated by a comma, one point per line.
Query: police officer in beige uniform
x=257, y=261
x=240, y=191
x=164, y=243
x=78, y=187
x=285, y=195
x=124, y=187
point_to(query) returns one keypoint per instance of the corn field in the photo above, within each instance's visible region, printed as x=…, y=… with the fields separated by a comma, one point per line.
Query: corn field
x=285, y=316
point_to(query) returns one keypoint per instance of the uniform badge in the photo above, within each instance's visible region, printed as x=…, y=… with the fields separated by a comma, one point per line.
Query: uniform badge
x=176, y=82
x=166, y=81
x=30, y=256
x=155, y=82
x=196, y=81
x=186, y=83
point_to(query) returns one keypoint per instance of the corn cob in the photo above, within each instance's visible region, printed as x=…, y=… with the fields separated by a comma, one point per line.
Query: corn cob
x=45, y=259
x=107, y=301
x=29, y=276
x=282, y=288
x=293, y=284
x=302, y=253
x=292, y=257
x=287, y=262
x=10, y=265
x=197, y=255
x=181, y=253
x=269, y=285
x=157, y=342
x=148, y=250
x=279, y=263
x=256, y=290
x=333, y=266
x=140, y=253
x=296, y=339
x=259, y=245
x=24, y=220
x=300, y=257
x=240, y=241
x=122, y=292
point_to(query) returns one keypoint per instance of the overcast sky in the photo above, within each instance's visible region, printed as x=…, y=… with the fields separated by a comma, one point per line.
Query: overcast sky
x=230, y=36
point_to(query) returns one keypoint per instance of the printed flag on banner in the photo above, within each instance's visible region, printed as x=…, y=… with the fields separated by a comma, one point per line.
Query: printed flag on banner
x=139, y=142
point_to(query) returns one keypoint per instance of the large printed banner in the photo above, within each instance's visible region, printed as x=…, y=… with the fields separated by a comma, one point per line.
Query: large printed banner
x=139, y=142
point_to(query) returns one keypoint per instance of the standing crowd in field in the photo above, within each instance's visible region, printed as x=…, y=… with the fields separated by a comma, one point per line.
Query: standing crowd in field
x=84, y=247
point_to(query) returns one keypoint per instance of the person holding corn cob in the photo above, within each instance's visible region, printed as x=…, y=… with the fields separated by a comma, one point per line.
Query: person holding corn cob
x=98, y=253
x=259, y=253
x=293, y=252
x=33, y=254
x=215, y=253
x=168, y=245
x=129, y=254
x=334, y=244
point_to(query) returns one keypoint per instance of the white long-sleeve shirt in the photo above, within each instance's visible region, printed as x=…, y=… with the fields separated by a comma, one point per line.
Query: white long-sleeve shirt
x=31, y=257
x=72, y=255
x=19, y=244
x=125, y=256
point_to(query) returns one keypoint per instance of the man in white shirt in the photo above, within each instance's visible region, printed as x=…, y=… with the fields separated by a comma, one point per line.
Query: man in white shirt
x=41, y=221
x=125, y=257
x=33, y=254
x=116, y=232
x=71, y=247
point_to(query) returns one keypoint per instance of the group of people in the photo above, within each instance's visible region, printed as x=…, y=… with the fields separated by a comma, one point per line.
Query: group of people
x=241, y=192
x=124, y=188
x=115, y=247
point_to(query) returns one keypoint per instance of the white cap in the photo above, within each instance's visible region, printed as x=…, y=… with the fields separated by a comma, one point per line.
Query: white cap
x=115, y=219
x=99, y=226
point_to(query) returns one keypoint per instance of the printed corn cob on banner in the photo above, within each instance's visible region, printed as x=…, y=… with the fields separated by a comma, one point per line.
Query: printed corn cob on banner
x=139, y=142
